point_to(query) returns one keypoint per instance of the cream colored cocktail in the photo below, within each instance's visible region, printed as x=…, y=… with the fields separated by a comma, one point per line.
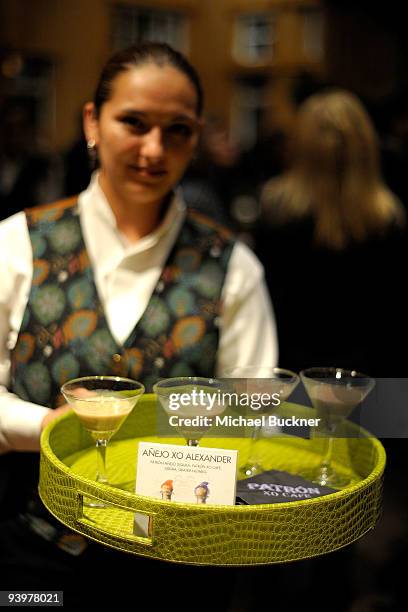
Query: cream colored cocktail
x=102, y=419
x=102, y=403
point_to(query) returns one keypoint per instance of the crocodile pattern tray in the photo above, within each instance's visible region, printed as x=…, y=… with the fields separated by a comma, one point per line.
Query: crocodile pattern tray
x=209, y=535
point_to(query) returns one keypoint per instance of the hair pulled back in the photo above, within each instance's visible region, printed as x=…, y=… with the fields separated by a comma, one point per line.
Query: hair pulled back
x=156, y=53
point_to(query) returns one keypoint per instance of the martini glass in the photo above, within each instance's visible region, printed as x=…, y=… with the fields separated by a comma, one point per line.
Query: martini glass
x=187, y=397
x=102, y=403
x=256, y=380
x=334, y=393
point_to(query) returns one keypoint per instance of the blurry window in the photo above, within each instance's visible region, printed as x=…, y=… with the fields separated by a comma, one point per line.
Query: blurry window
x=254, y=37
x=134, y=24
x=313, y=33
x=248, y=107
x=29, y=81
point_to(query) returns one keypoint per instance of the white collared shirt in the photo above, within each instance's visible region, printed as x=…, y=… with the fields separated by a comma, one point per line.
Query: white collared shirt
x=125, y=276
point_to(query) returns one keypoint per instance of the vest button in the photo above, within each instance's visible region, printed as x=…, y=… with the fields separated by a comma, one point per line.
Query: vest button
x=117, y=358
x=159, y=362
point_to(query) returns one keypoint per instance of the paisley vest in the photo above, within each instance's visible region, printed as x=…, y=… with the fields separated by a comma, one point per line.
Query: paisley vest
x=65, y=334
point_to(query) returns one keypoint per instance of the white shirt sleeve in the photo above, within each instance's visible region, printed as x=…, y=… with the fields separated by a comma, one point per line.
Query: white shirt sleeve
x=248, y=330
x=20, y=421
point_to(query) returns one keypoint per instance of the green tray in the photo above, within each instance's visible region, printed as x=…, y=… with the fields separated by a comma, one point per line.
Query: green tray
x=209, y=535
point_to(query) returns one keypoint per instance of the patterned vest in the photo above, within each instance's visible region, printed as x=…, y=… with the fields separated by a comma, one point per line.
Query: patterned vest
x=64, y=333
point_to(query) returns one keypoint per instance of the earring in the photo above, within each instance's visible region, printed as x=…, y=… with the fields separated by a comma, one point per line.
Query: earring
x=92, y=152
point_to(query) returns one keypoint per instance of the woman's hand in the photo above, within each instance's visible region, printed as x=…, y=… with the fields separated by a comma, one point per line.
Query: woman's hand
x=53, y=414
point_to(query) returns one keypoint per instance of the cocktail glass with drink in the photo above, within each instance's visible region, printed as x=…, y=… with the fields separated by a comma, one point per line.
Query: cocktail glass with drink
x=268, y=380
x=188, y=397
x=334, y=393
x=102, y=403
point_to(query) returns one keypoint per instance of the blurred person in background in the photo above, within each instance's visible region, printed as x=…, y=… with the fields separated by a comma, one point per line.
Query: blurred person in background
x=27, y=176
x=225, y=180
x=215, y=170
x=394, y=145
x=331, y=238
x=120, y=280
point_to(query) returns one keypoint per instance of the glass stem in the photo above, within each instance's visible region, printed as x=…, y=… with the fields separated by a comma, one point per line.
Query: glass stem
x=326, y=463
x=253, y=458
x=101, y=461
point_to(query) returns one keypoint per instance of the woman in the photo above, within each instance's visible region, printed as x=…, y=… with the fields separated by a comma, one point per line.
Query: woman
x=332, y=240
x=334, y=226
x=119, y=281
x=334, y=176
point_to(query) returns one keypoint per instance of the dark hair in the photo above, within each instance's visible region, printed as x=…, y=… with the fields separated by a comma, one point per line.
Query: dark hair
x=160, y=54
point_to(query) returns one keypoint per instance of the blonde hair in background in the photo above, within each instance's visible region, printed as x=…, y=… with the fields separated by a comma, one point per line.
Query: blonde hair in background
x=334, y=174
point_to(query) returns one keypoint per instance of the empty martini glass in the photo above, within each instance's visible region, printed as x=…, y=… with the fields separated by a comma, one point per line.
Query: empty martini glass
x=102, y=403
x=334, y=393
x=256, y=380
x=187, y=397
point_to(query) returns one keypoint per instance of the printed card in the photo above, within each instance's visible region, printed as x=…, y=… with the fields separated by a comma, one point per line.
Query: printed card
x=192, y=474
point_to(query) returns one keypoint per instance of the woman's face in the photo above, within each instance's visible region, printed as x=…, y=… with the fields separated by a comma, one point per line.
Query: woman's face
x=146, y=132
